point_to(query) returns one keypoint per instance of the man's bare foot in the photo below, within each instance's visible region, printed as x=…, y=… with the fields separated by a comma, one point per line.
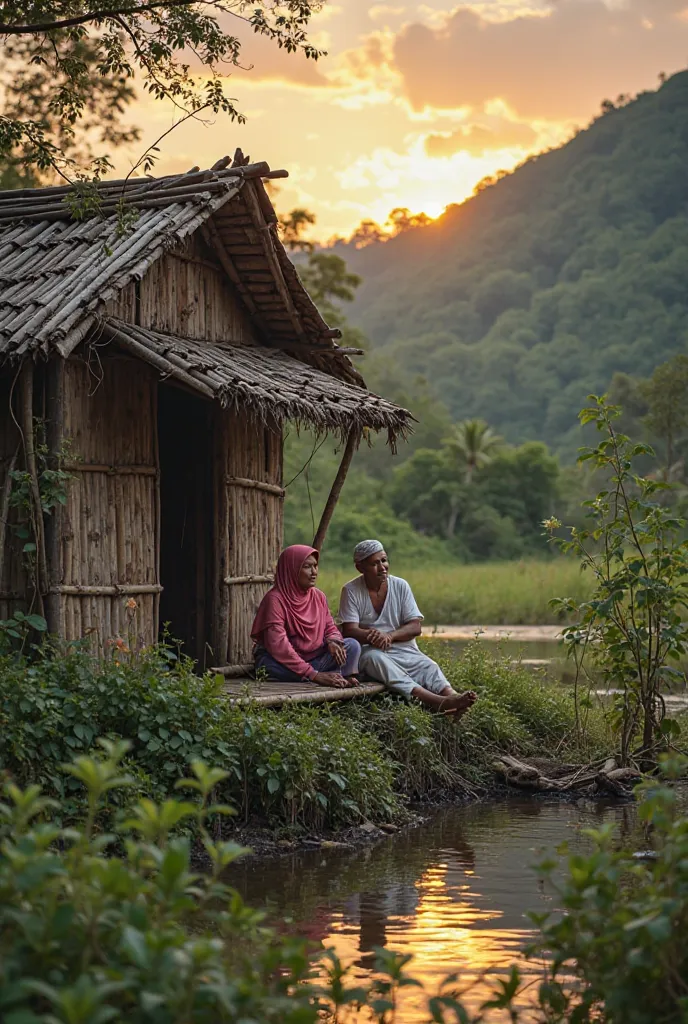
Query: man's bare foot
x=458, y=704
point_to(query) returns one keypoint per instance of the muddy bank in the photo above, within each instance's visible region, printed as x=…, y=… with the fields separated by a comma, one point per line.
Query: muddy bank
x=264, y=841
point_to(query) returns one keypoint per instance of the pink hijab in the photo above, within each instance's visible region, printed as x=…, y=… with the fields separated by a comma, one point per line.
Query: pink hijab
x=303, y=613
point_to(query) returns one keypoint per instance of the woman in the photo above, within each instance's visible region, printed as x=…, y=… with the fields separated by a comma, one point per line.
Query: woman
x=295, y=635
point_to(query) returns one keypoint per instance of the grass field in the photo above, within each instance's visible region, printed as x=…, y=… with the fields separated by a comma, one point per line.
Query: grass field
x=494, y=593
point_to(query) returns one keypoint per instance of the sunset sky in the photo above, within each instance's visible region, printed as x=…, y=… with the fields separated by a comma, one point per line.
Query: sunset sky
x=416, y=102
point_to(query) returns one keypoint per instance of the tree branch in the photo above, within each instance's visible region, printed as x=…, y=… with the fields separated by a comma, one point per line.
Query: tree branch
x=82, y=19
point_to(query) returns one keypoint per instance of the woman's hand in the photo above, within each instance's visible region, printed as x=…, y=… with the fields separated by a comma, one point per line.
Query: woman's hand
x=337, y=651
x=332, y=679
x=383, y=641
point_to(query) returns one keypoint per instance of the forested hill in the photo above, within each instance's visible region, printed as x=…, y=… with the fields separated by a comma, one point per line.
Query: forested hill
x=518, y=303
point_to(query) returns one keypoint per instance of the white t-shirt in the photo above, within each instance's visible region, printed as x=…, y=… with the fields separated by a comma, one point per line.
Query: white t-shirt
x=399, y=608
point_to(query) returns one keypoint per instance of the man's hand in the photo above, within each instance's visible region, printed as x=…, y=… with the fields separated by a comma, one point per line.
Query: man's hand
x=383, y=641
x=337, y=651
x=332, y=679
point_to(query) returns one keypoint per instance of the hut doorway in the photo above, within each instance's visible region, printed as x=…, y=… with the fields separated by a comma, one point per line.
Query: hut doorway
x=186, y=520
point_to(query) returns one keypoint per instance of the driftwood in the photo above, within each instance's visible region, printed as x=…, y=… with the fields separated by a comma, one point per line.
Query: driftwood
x=548, y=777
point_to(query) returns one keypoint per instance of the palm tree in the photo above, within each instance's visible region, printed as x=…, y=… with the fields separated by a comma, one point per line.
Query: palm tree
x=472, y=445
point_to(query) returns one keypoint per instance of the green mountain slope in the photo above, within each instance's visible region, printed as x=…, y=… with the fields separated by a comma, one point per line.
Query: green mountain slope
x=518, y=303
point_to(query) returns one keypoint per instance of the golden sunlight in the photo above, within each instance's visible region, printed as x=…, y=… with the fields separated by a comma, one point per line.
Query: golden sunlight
x=439, y=921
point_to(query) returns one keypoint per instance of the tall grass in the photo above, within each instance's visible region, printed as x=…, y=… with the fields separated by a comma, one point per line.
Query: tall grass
x=493, y=593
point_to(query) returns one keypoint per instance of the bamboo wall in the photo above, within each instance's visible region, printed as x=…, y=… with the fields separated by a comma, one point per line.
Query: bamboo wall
x=109, y=525
x=248, y=482
x=124, y=304
x=187, y=292
x=109, y=533
x=13, y=575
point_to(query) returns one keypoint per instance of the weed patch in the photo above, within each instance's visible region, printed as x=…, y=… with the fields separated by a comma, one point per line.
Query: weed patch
x=517, y=713
x=308, y=768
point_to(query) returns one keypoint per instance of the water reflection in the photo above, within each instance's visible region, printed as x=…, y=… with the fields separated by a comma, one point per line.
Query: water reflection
x=454, y=892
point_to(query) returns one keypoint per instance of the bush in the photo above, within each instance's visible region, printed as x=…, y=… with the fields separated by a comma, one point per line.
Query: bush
x=518, y=712
x=312, y=768
x=97, y=927
x=618, y=951
x=415, y=743
x=134, y=935
x=301, y=765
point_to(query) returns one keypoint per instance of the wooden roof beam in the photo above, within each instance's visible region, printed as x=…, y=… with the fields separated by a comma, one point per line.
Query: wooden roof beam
x=213, y=239
x=249, y=193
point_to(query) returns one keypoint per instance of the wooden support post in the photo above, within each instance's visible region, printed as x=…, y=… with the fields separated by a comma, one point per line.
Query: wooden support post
x=54, y=429
x=351, y=446
x=221, y=541
x=26, y=420
x=5, y=510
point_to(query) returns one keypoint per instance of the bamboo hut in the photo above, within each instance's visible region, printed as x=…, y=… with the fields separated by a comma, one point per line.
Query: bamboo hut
x=150, y=357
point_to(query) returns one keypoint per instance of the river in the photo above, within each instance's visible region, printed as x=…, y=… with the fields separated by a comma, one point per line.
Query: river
x=454, y=892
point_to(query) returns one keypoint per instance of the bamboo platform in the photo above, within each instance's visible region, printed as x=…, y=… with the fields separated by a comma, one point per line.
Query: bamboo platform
x=273, y=694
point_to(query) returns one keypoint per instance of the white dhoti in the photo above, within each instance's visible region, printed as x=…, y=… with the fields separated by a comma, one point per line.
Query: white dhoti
x=401, y=669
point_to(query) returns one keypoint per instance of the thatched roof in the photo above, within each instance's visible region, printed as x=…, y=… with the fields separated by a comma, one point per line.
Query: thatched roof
x=57, y=273
x=269, y=382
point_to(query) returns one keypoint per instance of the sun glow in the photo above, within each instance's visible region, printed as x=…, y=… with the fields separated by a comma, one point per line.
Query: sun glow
x=446, y=931
x=414, y=105
x=420, y=183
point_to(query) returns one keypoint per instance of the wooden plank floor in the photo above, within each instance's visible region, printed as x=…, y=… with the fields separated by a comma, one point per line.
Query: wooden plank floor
x=272, y=694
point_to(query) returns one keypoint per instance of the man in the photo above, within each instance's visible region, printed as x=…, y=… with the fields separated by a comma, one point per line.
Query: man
x=380, y=611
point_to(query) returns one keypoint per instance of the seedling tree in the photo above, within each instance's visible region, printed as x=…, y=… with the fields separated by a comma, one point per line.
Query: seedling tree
x=632, y=627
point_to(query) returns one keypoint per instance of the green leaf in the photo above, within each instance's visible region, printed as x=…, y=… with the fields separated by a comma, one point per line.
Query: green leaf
x=37, y=622
x=134, y=945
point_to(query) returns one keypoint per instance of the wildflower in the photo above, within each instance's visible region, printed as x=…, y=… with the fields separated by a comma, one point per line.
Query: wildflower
x=551, y=524
x=131, y=604
x=119, y=643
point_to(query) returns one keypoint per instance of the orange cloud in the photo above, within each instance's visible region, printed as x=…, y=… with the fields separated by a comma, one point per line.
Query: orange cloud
x=263, y=60
x=556, y=65
x=478, y=139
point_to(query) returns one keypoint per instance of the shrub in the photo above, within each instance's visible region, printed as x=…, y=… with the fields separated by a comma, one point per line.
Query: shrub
x=307, y=764
x=135, y=935
x=412, y=740
x=518, y=710
x=618, y=951
x=301, y=765
x=633, y=625
x=309, y=767
x=97, y=927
